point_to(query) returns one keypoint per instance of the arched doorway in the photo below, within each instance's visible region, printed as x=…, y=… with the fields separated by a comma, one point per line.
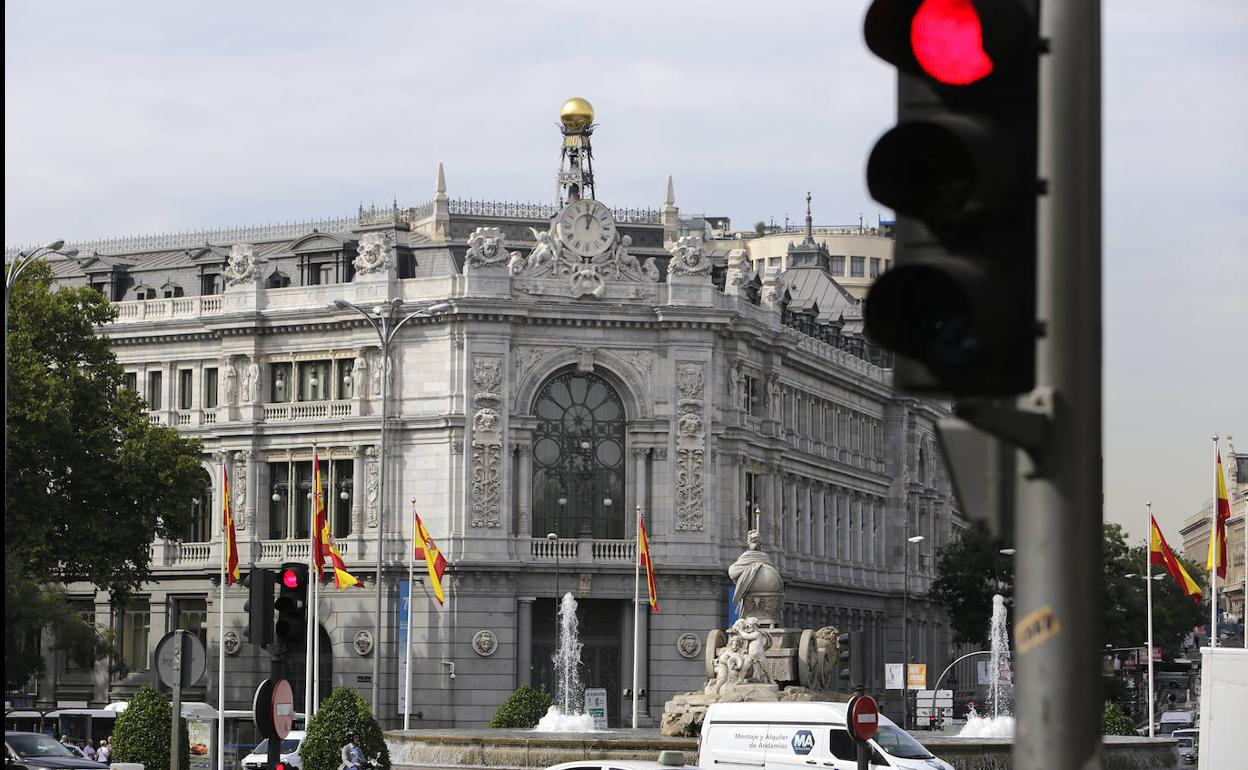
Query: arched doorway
x=578, y=457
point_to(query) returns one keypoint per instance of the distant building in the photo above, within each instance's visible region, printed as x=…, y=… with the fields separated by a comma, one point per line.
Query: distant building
x=1196, y=531
x=591, y=363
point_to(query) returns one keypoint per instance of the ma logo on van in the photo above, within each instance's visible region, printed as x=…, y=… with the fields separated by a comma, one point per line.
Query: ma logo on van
x=803, y=741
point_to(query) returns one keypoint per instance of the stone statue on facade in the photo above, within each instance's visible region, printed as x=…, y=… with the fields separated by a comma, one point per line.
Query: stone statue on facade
x=759, y=587
x=229, y=379
x=241, y=266
x=359, y=370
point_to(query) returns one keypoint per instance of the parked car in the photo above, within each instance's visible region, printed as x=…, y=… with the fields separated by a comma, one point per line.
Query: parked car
x=36, y=751
x=259, y=756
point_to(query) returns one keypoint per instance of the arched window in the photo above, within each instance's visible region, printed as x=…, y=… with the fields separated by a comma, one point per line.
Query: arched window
x=578, y=458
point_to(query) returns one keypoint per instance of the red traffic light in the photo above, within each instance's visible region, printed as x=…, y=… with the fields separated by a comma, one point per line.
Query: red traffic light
x=947, y=37
x=290, y=578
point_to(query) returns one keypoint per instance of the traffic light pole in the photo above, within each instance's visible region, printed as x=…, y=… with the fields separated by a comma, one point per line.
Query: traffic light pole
x=1058, y=621
x=277, y=656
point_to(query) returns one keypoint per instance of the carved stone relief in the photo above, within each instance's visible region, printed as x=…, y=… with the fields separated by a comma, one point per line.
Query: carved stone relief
x=487, y=441
x=549, y=259
x=372, y=485
x=376, y=253
x=485, y=250
x=241, y=267
x=688, y=259
x=690, y=445
x=241, y=460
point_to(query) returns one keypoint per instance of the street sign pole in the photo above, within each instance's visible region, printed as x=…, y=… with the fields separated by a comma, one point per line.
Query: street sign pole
x=175, y=735
x=1058, y=621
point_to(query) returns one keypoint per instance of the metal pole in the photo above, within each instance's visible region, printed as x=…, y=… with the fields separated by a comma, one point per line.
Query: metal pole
x=1060, y=511
x=636, y=613
x=175, y=735
x=221, y=629
x=383, y=332
x=1213, y=557
x=1148, y=578
x=905, y=631
x=407, y=652
x=312, y=581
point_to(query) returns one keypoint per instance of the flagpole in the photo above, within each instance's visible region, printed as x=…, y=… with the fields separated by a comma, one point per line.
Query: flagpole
x=311, y=614
x=407, y=653
x=316, y=640
x=225, y=544
x=1213, y=555
x=1148, y=578
x=636, y=614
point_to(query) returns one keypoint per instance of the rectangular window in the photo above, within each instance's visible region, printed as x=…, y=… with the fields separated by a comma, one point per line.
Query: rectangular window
x=838, y=265
x=199, y=530
x=130, y=381
x=210, y=388
x=340, y=496
x=279, y=499
x=85, y=609
x=875, y=267
x=753, y=491
x=155, y=389
x=186, y=379
x=857, y=267
x=343, y=366
x=135, y=626
x=210, y=284
x=279, y=383
x=753, y=396
x=192, y=615
x=314, y=381
x=303, y=500
x=172, y=292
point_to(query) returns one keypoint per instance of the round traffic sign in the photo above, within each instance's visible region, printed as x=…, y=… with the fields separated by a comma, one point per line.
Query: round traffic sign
x=284, y=709
x=180, y=659
x=864, y=717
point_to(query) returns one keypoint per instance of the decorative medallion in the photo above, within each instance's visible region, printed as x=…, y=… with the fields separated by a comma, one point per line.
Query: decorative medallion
x=363, y=643
x=241, y=267
x=232, y=642
x=485, y=250
x=688, y=645
x=484, y=643
x=375, y=252
x=688, y=258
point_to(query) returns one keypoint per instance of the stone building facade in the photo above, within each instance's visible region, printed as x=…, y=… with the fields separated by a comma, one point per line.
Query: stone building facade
x=566, y=386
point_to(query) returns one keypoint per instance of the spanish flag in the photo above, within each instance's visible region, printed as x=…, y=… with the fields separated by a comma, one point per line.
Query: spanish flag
x=322, y=544
x=227, y=527
x=1159, y=553
x=643, y=553
x=425, y=548
x=1222, y=512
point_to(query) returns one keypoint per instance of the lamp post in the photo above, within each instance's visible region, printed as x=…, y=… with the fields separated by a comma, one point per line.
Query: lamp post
x=905, y=633
x=13, y=271
x=383, y=320
x=554, y=544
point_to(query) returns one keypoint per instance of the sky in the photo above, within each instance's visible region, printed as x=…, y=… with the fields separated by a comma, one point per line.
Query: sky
x=151, y=117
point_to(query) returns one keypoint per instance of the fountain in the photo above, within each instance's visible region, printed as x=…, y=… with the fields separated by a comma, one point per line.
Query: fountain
x=566, y=716
x=998, y=721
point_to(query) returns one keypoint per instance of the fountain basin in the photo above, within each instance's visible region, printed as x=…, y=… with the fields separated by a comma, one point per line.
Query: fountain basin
x=529, y=749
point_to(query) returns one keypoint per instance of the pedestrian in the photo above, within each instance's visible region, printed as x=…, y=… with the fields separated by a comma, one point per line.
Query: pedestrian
x=64, y=740
x=105, y=751
x=89, y=750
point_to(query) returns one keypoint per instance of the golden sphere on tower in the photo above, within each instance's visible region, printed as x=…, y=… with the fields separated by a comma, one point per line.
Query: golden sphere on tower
x=576, y=114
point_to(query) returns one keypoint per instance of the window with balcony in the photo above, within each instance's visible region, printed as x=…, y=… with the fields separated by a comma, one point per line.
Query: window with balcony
x=136, y=619
x=578, y=458
x=199, y=529
x=186, y=388
x=857, y=267
x=155, y=389
x=753, y=394
x=280, y=386
x=211, y=284
x=315, y=382
x=210, y=388
x=291, y=499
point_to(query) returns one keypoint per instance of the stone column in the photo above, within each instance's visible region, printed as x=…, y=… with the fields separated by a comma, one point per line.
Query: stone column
x=821, y=522
x=524, y=641
x=358, y=492
x=524, y=490
x=775, y=517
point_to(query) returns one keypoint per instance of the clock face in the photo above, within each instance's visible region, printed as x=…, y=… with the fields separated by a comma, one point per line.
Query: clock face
x=586, y=227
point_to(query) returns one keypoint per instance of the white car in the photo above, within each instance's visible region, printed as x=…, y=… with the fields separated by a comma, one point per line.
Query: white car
x=668, y=760
x=259, y=757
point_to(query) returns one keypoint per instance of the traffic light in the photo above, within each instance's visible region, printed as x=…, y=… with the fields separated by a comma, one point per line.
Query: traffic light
x=960, y=170
x=292, y=604
x=259, y=606
x=849, y=661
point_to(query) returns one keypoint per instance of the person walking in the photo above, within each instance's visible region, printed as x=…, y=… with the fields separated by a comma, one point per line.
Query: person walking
x=89, y=750
x=105, y=751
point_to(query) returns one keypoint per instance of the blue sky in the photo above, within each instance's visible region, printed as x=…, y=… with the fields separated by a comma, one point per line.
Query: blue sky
x=155, y=117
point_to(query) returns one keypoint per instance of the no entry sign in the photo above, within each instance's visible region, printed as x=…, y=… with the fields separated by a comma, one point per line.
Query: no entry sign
x=864, y=717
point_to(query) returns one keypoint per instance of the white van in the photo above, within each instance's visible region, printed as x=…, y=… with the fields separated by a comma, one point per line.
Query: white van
x=800, y=736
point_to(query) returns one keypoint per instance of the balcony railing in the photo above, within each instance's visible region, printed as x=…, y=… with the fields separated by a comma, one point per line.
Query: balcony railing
x=543, y=549
x=296, y=550
x=307, y=410
x=161, y=309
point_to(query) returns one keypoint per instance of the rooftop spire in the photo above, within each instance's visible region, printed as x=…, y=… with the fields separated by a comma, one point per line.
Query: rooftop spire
x=810, y=228
x=441, y=187
x=670, y=198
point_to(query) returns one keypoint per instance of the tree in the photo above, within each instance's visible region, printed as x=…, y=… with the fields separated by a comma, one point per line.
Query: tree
x=142, y=732
x=523, y=708
x=89, y=481
x=970, y=569
x=760, y=228
x=342, y=711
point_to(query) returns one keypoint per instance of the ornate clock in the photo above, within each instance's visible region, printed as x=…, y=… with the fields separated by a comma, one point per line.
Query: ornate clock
x=586, y=228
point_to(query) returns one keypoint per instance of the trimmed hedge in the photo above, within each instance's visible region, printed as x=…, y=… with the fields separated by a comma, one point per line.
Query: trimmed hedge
x=141, y=733
x=523, y=708
x=342, y=711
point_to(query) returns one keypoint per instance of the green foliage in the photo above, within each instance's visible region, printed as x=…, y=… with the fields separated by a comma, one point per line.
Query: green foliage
x=1115, y=722
x=969, y=570
x=89, y=482
x=523, y=708
x=342, y=711
x=142, y=732
x=760, y=228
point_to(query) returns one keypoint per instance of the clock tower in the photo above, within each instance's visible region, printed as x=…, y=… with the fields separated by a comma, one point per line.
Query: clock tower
x=576, y=168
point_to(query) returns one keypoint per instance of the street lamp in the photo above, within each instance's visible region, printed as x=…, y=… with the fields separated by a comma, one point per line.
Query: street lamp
x=905, y=633
x=12, y=271
x=383, y=320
